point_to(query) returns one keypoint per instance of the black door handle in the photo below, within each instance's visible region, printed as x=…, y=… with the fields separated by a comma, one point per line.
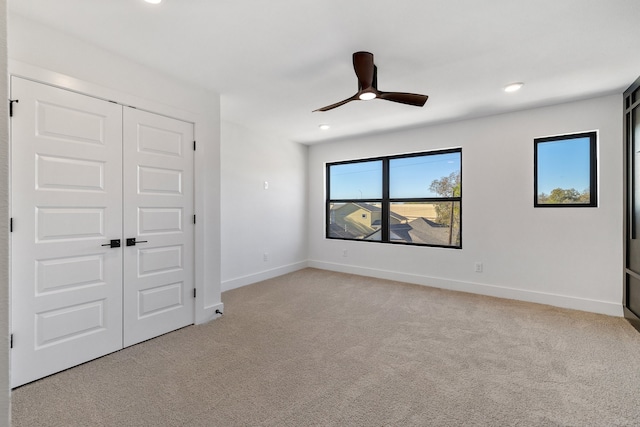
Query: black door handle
x=115, y=243
x=132, y=241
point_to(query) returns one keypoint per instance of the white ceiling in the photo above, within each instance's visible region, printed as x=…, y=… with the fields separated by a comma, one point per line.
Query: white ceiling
x=273, y=62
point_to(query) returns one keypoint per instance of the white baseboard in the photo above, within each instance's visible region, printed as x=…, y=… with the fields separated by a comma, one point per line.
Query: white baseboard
x=238, y=282
x=583, y=304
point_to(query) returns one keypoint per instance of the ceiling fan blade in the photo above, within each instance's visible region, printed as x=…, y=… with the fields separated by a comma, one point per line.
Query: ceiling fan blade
x=404, y=98
x=364, y=68
x=337, y=104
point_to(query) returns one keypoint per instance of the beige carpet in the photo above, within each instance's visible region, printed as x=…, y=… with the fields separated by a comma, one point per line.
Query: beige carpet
x=316, y=348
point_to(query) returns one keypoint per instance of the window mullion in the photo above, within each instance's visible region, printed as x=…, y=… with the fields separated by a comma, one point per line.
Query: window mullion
x=386, y=205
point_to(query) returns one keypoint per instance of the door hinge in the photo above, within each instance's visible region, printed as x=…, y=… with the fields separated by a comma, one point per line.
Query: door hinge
x=194, y=146
x=11, y=101
x=10, y=225
x=11, y=341
x=194, y=219
x=194, y=292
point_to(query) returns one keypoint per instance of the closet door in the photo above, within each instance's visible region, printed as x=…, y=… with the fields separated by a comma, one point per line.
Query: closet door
x=158, y=225
x=66, y=206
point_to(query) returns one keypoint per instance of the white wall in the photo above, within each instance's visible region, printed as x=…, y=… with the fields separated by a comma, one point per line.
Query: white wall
x=5, y=398
x=258, y=221
x=46, y=55
x=569, y=257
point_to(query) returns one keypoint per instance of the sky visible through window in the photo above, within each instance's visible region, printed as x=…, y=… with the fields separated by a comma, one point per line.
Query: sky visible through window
x=410, y=177
x=563, y=164
x=361, y=180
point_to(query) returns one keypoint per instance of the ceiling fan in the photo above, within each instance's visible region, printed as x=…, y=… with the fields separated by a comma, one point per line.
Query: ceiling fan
x=367, y=74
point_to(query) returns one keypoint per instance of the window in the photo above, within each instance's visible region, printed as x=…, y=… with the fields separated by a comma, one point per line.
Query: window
x=565, y=171
x=413, y=199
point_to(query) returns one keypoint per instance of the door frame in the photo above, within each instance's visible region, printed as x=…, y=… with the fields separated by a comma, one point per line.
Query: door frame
x=206, y=191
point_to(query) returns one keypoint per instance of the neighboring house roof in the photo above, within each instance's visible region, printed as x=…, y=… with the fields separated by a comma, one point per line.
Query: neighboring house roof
x=395, y=216
x=424, y=230
x=420, y=230
x=398, y=216
x=400, y=232
x=365, y=206
x=336, y=230
x=371, y=208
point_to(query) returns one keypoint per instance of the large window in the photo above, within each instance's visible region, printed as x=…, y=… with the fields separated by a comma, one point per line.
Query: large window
x=413, y=199
x=565, y=171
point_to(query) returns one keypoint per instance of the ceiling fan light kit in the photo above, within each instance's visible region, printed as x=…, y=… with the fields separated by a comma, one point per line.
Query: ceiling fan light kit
x=367, y=96
x=367, y=74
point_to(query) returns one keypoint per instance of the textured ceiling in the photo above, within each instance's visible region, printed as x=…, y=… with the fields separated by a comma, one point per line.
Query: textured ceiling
x=274, y=62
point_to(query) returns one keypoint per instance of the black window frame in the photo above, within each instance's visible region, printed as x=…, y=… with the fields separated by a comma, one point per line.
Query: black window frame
x=386, y=201
x=593, y=169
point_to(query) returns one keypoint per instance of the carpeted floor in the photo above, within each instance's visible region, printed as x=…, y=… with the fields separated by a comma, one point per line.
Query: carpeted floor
x=316, y=348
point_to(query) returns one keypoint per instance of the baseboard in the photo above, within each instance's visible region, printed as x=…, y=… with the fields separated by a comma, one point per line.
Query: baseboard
x=583, y=304
x=238, y=282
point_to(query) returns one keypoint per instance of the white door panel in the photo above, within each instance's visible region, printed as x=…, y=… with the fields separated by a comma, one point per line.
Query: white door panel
x=60, y=173
x=158, y=194
x=66, y=203
x=160, y=220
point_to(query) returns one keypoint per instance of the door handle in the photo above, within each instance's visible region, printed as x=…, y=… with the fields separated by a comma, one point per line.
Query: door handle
x=132, y=241
x=115, y=243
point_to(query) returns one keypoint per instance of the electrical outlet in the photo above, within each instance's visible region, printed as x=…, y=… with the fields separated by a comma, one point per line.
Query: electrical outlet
x=478, y=266
x=265, y=185
x=265, y=256
x=345, y=253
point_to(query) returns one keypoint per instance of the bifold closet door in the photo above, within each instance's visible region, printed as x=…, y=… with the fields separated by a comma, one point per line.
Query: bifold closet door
x=158, y=216
x=66, y=202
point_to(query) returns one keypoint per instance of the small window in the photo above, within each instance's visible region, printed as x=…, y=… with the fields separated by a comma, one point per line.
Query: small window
x=412, y=199
x=565, y=171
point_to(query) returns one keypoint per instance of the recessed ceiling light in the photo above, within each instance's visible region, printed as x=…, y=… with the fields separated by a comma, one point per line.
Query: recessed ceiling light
x=366, y=96
x=153, y=1
x=324, y=126
x=513, y=87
